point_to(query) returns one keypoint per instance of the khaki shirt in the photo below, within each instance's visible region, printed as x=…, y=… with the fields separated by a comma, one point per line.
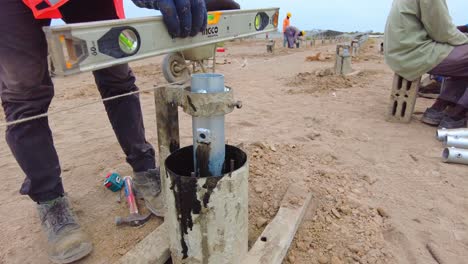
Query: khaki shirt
x=419, y=35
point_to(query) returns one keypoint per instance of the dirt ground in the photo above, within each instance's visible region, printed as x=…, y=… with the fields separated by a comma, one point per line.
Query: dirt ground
x=380, y=191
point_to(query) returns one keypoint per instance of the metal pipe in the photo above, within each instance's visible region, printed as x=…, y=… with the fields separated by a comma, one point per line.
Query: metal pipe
x=208, y=216
x=208, y=132
x=456, y=142
x=455, y=155
x=442, y=133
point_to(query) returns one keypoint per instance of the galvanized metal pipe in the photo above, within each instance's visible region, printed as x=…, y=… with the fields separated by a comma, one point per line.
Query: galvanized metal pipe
x=208, y=132
x=455, y=155
x=441, y=134
x=456, y=142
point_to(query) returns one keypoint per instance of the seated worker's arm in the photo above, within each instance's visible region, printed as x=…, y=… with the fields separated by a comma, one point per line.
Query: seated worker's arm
x=438, y=23
x=186, y=17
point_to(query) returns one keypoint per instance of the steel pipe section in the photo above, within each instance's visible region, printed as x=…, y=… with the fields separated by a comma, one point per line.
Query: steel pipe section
x=455, y=155
x=441, y=134
x=456, y=142
x=208, y=132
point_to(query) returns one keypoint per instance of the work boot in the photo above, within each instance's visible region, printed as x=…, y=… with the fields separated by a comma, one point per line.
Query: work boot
x=432, y=117
x=148, y=186
x=66, y=240
x=452, y=123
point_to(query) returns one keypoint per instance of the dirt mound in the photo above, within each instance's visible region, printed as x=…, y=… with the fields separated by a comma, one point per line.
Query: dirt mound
x=319, y=57
x=338, y=228
x=325, y=81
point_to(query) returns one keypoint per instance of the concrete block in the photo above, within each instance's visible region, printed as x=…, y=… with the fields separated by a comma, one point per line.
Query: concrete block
x=271, y=46
x=343, y=60
x=402, y=99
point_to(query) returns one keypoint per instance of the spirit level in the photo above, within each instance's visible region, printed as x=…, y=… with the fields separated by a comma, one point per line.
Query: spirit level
x=82, y=47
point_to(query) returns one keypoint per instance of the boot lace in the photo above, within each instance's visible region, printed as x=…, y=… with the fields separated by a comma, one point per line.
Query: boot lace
x=58, y=216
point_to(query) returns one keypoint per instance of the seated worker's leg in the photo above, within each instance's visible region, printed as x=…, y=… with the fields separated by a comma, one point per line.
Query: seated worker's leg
x=455, y=65
x=455, y=116
x=124, y=113
x=454, y=89
x=26, y=90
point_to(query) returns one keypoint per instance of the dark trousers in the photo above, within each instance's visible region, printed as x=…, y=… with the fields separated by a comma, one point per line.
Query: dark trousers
x=455, y=68
x=27, y=90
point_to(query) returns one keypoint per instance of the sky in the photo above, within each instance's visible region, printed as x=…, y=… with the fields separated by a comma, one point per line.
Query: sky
x=340, y=15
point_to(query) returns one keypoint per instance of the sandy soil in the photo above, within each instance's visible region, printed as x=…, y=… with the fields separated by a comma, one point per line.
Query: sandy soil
x=381, y=192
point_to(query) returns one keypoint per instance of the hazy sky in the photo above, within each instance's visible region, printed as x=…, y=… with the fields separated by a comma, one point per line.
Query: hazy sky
x=342, y=15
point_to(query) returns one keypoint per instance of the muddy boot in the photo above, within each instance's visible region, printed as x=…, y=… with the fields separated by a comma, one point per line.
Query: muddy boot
x=432, y=117
x=66, y=240
x=148, y=186
x=452, y=123
x=455, y=118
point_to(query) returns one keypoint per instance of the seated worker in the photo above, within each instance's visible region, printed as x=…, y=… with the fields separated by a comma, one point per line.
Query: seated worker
x=26, y=90
x=292, y=34
x=420, y=38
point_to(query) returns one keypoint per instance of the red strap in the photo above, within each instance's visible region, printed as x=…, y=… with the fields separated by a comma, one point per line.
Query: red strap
x=119, y=9
x=54, y=12
x=44, y=13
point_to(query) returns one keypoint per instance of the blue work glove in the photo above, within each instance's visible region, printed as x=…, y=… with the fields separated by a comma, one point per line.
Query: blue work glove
x=182, y=17
x=186, y=17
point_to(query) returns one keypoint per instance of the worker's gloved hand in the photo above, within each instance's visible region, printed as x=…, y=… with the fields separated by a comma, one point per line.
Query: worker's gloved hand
x=213, y=5
x=182, y=17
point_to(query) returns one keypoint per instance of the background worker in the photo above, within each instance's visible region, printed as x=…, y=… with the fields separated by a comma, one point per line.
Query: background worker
x=300, y=39
x=420, y=38
x=286, y=23
x=292, y=34
x=26, y=90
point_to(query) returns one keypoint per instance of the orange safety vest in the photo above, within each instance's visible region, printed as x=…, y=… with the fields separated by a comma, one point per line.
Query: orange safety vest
x=43, y=9
x=285, y=24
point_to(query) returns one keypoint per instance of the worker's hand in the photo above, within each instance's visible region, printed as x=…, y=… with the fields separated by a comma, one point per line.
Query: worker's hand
x=213, y=5
x=182, y=17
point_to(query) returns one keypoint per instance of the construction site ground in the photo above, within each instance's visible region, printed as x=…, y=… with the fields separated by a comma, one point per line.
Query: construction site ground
x=381, y=193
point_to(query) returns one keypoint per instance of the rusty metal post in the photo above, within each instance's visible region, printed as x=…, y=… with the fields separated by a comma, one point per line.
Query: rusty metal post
x=167, y=120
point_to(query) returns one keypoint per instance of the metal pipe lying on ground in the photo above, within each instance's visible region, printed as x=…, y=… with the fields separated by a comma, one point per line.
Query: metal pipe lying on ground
x=455, y=155
x=441, y=134
x=456, y=142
